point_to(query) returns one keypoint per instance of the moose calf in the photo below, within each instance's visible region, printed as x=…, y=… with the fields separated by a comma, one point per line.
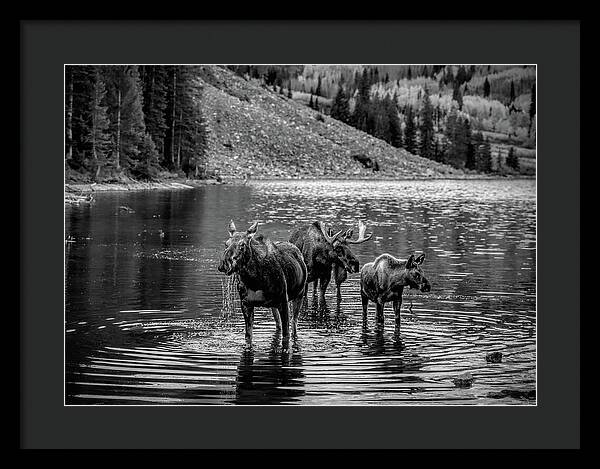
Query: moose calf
x=384, y=279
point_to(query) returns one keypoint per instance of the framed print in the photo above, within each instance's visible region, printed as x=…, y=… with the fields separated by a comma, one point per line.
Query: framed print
x=350, y=229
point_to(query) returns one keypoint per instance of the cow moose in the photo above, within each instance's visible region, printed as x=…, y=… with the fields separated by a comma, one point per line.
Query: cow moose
x=384, y=279
x=271, y=274
x=322, y=249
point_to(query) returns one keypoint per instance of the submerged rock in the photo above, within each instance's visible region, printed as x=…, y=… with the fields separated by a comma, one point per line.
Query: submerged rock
x=464, y=381
x=493, y=357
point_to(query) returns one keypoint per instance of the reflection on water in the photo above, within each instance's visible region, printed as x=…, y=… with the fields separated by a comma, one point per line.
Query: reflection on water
x=145, y=322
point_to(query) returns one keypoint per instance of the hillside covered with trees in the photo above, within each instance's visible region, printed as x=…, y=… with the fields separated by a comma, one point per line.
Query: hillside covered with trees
x=155, y=122
x=475, y=117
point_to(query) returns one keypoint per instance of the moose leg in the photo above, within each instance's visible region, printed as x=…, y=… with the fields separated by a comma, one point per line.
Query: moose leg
x=340, y=276
x=285, y=324
x=296, y=305
x=277, y=318
x=248, y=312
x=323, y=283
x=365, y=305
x=397, y=305
x=379, y=314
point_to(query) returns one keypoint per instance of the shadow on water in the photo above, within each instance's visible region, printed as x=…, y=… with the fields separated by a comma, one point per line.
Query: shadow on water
x=375, y=342
x=272, y=378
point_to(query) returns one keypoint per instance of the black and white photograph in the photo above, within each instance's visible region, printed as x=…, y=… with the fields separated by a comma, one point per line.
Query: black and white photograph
x=312, y=235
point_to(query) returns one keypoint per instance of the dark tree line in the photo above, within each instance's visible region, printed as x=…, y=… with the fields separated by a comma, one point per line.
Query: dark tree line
x=133, y=120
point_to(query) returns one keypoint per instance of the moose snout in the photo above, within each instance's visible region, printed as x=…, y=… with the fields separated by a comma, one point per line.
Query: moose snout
x=354, y=266
x=425, y=286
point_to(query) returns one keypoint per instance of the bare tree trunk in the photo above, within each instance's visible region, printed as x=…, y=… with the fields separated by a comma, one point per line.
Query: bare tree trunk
x=70, y=118
x=94, y=129
x=94, y=115
x=195, y=156
x=179, y=142
x=173, y=116
x=118, y=128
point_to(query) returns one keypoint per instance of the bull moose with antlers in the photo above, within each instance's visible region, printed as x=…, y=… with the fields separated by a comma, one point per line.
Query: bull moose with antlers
x=271, y=274
x=322, y=250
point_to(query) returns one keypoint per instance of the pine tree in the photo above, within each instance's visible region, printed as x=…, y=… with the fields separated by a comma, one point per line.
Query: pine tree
x=311, y=104
x=409, y=74
x=318, y=90
x=69, y=72
x=79, y=110
x=395, y=127
x=471, y=160
x=379, y=119
x=461, y=75
x=133, y=131
x=155, y=84
x=340, y=108
x=289, y=94
x=512, y=91
x=410, y=134
x=98, y=137
x=361, y=109
x=190, y=127
x=426, y=128
x=471, y=72
x=125, y=110
x=458, y=134
x=457, y=95
x=512, y=160
x=532, y=109
x=486, y=88
x=438, y=152
x=483, y=153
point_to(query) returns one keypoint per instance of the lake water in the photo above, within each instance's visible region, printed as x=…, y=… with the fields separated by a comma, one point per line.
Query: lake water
x=146, y=321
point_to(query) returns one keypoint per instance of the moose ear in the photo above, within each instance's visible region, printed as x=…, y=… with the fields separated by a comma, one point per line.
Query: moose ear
x=410, y=263
x=348, y=233
x=253, y=228
x=419, y=260
x=231, y=228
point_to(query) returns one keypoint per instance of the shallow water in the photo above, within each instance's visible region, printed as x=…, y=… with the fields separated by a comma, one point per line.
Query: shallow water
x=146, y=321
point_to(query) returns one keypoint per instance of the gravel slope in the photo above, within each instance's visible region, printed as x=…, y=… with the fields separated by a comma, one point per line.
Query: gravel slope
x=254, y=132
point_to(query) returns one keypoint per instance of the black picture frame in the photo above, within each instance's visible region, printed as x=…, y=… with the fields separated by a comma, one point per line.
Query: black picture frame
x=47, y=45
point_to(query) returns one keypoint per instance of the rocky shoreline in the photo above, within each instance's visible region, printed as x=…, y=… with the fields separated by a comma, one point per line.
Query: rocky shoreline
x=87, y=188
x=79, y=188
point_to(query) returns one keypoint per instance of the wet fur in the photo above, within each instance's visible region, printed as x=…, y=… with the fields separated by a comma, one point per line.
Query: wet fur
x=271, y=275
x=384, y=279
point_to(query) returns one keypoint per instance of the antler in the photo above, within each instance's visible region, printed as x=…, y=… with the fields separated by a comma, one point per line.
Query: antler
x=361, y=234
x=325, y=231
